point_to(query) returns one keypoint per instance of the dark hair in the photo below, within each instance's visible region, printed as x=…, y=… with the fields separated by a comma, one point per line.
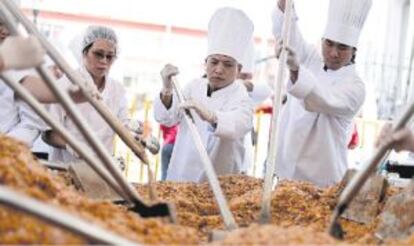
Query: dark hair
x=87, y=48
x=353, y=55
x=353, y=49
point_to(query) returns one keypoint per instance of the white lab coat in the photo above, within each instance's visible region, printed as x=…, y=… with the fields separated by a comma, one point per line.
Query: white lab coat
x=224, y=144
x=259, y=94
x=113, y=96
x=317, y=118
x=17, y=119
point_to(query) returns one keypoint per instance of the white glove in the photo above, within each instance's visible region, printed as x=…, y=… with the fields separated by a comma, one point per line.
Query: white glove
x=151, y=143
x=166, y=74
x=204, y=113
x=21, y=53
x=278, y=47
x=137, y=127
x=137, y=130
x=87, y=81
x=291, y=58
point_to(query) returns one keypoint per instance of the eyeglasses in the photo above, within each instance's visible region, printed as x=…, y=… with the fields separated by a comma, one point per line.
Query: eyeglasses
x=99, y=55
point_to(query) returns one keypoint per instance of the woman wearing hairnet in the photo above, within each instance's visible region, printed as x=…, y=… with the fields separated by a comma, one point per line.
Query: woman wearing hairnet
x=99, y=51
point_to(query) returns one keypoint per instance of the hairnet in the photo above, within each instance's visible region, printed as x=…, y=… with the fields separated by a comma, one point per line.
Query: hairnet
x=94, y=33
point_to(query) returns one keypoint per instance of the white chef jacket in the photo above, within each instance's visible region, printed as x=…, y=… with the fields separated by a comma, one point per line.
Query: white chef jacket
x=224, y=144
x=317, y=118
x=259, y=93
x=113, y=96
x=17, y=119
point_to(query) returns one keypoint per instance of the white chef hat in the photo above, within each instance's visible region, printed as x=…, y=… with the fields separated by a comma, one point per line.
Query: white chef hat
x=248, y=59
x=229, y=33
x=346, y=19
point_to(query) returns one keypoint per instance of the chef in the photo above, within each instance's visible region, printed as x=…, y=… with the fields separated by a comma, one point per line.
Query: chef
x=324, y=94
x=221, y=107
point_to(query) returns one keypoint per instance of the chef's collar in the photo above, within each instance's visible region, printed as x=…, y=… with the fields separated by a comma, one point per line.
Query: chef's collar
x=218, y=92
x=344, y=68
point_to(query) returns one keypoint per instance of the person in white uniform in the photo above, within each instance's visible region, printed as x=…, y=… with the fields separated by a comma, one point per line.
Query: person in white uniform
x=221, y=107
x=99, y=51
x=324, y=94
x=258, y=92
x=17, y=119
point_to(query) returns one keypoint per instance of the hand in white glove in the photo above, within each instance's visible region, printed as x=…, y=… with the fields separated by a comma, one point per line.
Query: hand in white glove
x=292, y=60
x=204, y=113
x=166, y=74
x=87, y=82
x=151, y=143
x=21, y=53
x=136, y=127
x=278, y=47
x=402, y=139
x=137, y=130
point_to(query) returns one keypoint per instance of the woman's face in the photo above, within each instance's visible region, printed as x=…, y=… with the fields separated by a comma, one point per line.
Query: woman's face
x=99, y=58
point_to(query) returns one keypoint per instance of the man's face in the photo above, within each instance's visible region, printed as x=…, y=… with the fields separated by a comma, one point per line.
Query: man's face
x=336, y=55
x=4, y=32
x=221, y=70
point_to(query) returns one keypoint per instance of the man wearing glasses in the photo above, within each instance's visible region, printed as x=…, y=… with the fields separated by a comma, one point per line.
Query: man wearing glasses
x=324, y=95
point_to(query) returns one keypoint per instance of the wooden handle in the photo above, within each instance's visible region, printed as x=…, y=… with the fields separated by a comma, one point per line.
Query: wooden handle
x=265, y=215
x=208, y=166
